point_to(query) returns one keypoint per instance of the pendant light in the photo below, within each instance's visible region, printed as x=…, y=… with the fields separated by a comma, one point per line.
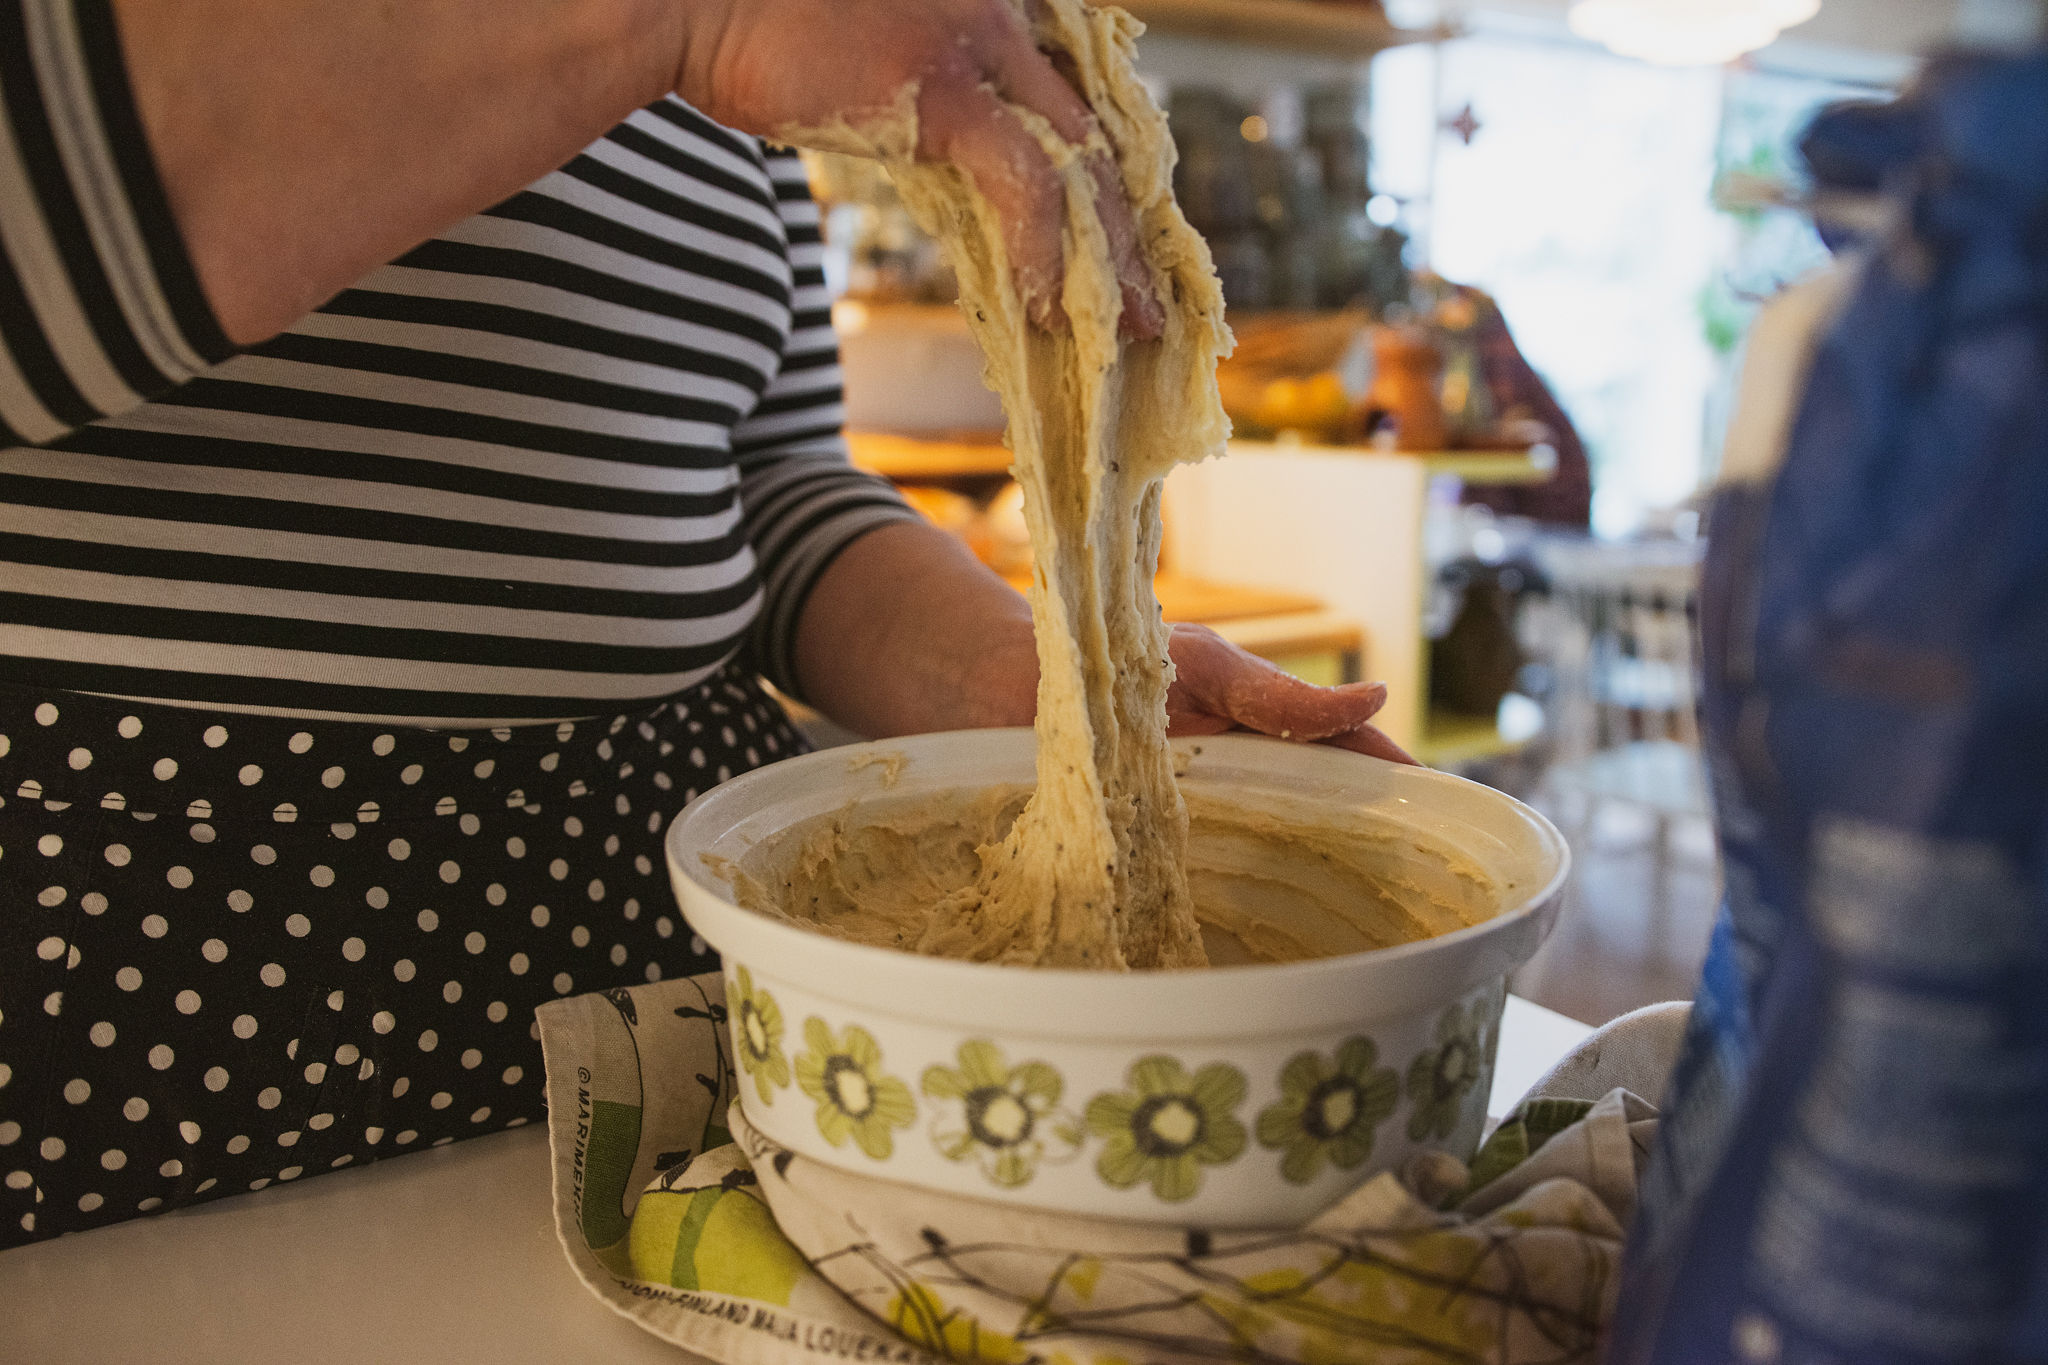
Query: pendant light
x=1687, y=32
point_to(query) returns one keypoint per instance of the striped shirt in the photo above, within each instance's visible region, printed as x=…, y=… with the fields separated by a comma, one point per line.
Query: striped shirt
x=576, y=452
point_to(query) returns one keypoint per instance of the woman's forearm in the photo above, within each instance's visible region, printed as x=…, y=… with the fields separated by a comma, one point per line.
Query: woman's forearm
x=907, y=632
x=303, y=143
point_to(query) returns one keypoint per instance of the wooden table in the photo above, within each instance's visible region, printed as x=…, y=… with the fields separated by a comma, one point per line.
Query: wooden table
x=445, y=1256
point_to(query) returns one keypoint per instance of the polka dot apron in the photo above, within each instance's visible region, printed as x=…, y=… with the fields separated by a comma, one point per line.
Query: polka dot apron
x=237, y=950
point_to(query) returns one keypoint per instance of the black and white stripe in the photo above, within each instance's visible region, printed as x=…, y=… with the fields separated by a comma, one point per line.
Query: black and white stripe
x=573, y=453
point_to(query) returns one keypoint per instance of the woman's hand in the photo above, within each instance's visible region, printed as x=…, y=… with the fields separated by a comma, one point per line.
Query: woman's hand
x=1221, y=687
x=779, y=67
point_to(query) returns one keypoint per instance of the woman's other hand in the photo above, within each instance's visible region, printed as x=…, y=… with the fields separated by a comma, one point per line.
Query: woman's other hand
x=1221, y=687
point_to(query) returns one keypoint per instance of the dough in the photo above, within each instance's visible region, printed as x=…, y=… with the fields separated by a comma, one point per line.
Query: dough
x=1271, y=879
x=1091, y=873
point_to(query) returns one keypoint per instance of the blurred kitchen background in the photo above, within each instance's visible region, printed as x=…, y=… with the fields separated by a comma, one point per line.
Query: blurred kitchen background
x=1491, y=267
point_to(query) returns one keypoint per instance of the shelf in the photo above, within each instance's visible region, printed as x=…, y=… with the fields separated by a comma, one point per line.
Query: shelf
x=1333, y=28
x=1534, y=465
x=915, y=459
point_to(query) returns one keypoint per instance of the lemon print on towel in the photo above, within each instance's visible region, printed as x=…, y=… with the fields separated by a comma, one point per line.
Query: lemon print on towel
x=716, y=1234
x=1168, y=1125
x=1007, y=1119
x=855, y=1097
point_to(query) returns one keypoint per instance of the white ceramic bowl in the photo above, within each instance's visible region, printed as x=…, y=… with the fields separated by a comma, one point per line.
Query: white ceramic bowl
x=1239, y=1096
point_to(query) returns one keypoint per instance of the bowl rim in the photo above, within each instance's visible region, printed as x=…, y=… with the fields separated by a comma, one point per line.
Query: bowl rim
x=1151, y=990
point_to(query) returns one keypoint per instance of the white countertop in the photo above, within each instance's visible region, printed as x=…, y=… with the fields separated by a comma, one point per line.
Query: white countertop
x=446, y=1256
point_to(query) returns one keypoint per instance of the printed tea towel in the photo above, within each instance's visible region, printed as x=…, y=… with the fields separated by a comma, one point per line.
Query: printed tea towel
x=678, y=1215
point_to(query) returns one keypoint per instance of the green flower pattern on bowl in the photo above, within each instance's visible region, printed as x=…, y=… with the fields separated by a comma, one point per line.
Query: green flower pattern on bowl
x=1440, y=1077
x=757, y=1034
x=1329, y=1109
x=1168, y=1125
x=855, y=1097
x=1007, y=1118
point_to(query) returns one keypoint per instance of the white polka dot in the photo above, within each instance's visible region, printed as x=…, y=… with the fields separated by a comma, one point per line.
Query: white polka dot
x=320, y=1122
x=580, y=936
x=664, y=926
x=289, y=1138
x=382, y=745
x=156, y=926
x=403, y=969
x=458, y=743
x=240, y=901
x=171, y=1169
x=258, y=1183
x=451, y=871
x=128, y=979
x=238, y=1144
x=214, y=950
x=446, y=806
x=518, y=964
x=188, y=1002
x=442, y=1099
x=341, y=1160
x=72, y=959
x=622, y=805
x=269, y=1097
x=273, y=975
x=316, y=1072
x=346, y=1054
x=470, y=824
x=46, y=714
x=399, y=849
x=368, y=812
x=342, y=830
x=51, y=895
x=215, y=736
x=642, y=866
x=353, y=949
x=411, y=773
x=428, y=920
x=472, y=1059
x=595, y=890
x=93, y=903
x=618, y=954
x=540, y=917
x=299, y=742
x=373, y=1135
x=88, y=1202
x=409, y=1135
x=206, y=1185
x=291, y=1049
x=201, y=809
x=333, y=777
x=383, y=1021
x=631, y=909
x=263, y=854
x=52, y=1149
x=53, y=1004
x=486, y=767
x=80, y=759
x=481, y=1114
x=563, y=983
x=179, y=877
x=495, y=1012
x=298, y=926
x=366, y=1070
x=451, y=992
x=165, y=769
x=559, y=868
x=245, y=1026
x=50, y=949
x=429, y=1041
x=377, y=897
x=321, y=875
x=473, y=941
x=19, y=1180
x=216, y=1078
x=516, y=846
x=400, y=1086
x=250, y=774
x=161, y=1057
x=189, y=1131
x=203, y=833
x=77, y=1091
x=291, y=1173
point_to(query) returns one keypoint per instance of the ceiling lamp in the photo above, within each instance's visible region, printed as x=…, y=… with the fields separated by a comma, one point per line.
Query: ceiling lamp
x=1687, y=32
